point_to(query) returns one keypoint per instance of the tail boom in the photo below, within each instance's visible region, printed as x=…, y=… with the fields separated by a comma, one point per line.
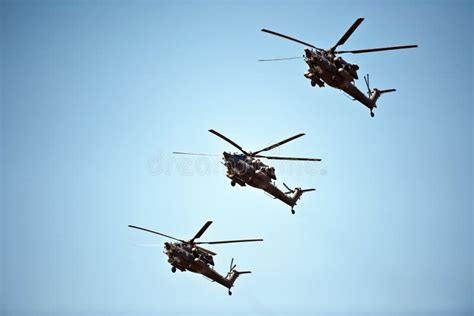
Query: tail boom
x=369, y=100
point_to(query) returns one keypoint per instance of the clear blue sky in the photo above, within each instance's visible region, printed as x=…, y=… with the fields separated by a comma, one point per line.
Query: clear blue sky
x=96, y=96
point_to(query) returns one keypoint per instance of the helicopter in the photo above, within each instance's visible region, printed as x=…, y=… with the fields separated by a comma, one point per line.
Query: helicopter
x=326, y=67
x=246, y=169
x=189, y=256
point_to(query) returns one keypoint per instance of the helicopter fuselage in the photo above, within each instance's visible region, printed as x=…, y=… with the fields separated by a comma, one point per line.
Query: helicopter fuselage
x=334, y=71
x=337, y=73
x=245, y=170
x=182, y=255
x=185, y=257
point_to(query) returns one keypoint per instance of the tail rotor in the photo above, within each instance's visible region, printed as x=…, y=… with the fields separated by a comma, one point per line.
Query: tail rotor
x=374, y=94
x=367, y=83
x=231, y=269
x=232, y=266
x=232, y=275
x=288, y=188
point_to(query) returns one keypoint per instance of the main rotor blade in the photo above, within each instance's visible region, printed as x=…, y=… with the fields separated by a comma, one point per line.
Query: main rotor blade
x=279, y=59
x=288, y=158
x=201, y=231
x=370, y=50
x=279, y=143
x=227, y=241
x=290, y=38
x=348, y=33
x=193, y=154
x=154, y=232
x=229, y=141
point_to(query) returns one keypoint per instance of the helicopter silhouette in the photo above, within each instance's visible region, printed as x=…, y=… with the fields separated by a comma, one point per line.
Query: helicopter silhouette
x=189, y=256
x=326, y=67
x=246, y=169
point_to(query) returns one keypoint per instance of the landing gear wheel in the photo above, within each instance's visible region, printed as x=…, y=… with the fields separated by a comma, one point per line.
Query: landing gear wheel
x=313, y=83
x=232, y=183
x=293, y=212
x=230, y=293
x=372, y=114
x=173, y=269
